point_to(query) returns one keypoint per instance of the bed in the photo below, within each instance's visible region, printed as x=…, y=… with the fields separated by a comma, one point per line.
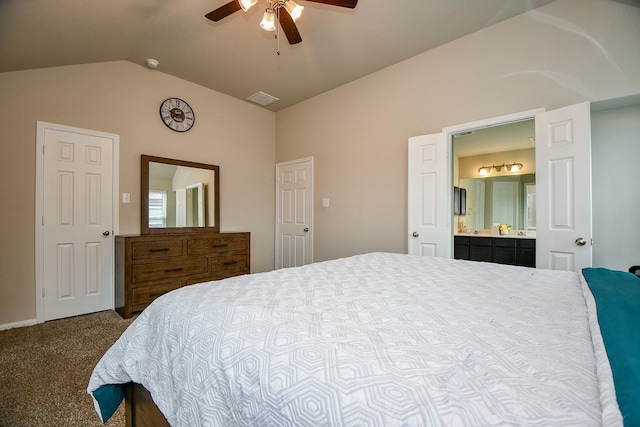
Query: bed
x=377, y=339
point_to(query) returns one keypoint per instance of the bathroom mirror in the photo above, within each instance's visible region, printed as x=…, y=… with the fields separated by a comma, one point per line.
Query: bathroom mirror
x=500, y=200
x=178, y=196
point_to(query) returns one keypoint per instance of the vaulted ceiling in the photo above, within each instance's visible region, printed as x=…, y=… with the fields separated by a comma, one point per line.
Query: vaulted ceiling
x=235, y=56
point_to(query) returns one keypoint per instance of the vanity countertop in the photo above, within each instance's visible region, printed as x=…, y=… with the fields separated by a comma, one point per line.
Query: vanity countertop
x=516, y=235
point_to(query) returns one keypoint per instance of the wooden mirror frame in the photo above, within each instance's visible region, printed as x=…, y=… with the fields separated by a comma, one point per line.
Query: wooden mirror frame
x=144, y=196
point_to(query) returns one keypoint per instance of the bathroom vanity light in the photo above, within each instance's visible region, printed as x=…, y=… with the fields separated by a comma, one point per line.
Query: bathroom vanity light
x=485, y=170
x=514, y=167
x=511, y=167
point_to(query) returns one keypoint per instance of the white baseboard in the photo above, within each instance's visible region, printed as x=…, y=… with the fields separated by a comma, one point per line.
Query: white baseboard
x=12, y=325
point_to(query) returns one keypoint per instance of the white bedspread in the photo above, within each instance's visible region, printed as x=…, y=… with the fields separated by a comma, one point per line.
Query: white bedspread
x=372, y=340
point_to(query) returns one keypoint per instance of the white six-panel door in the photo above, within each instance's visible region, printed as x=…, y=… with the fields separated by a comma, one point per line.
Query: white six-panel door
x=563, y=185
x=76, y=221
x=429, y=196
x=294, y=216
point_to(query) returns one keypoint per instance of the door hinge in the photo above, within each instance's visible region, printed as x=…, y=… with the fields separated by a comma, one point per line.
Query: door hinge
x=42, y=219
x=43, y=292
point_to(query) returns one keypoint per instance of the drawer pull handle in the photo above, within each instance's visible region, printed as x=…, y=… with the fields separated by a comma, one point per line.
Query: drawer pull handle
x=157, y=294
x=159, y=250
x=220, y=245
x=172, y=270
x=230, y=263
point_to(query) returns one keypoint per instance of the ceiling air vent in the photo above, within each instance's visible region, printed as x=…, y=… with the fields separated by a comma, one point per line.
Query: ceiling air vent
x=262, y=98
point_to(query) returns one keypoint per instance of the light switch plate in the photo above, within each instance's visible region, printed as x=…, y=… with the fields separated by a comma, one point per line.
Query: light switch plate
x=126, y=197
x=325, y=203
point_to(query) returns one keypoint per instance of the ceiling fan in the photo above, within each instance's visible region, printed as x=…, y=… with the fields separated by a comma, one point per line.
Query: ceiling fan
x=274, y=11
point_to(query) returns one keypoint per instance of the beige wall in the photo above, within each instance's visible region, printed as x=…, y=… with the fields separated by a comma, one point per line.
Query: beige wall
x=564, y=53
x=615, y=139
x=124, y=98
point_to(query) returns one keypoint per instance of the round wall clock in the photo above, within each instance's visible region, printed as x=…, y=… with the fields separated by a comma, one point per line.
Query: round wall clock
x=177, y=114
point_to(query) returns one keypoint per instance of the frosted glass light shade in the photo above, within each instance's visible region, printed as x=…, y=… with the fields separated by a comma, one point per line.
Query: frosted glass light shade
x=294, y=9
x=268, y=21
x=246, y=4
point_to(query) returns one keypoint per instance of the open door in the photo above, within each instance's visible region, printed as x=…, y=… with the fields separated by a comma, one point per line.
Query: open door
x=429, y=196
x=563, y=185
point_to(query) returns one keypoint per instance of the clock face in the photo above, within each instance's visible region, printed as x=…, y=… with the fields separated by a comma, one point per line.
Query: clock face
x=177, y=114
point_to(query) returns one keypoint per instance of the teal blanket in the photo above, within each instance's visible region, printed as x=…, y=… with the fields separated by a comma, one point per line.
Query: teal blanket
x=617, y=296
x=108, y=397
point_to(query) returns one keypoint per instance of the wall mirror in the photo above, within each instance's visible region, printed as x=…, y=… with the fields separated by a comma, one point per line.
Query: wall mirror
x=499, y=195
x=500, y=200
x=178, y=196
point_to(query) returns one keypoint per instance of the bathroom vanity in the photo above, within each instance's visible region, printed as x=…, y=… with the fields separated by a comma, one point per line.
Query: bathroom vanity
x=509, y=249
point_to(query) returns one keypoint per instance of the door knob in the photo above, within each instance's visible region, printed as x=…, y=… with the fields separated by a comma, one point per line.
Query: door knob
x=306, y=230
x=415, y=234
x=105, y=233
x=581, y=241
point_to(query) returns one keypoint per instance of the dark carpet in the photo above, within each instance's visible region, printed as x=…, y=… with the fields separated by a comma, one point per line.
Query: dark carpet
x=45, y=370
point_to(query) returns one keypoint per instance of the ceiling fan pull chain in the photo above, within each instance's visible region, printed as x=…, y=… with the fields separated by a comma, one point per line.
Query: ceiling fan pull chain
x=278, y=30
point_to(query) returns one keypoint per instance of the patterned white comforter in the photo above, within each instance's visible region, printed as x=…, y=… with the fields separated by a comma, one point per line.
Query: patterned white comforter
x=372, y=340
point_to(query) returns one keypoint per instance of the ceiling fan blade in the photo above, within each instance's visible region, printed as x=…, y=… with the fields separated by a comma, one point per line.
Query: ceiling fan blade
x=224, y=11
x=289, y=27
x=342, y=3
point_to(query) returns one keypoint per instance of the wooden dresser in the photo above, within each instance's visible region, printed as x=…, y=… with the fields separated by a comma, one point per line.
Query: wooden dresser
x=151, y=265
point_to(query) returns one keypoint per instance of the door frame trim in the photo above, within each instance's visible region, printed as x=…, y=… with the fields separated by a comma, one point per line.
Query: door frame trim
x=41, y=127
x=277, y=225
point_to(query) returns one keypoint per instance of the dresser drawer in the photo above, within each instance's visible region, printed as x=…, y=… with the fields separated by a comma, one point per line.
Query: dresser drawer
x=151, y=265
x=228, y=266
x=161, y=270
x=217, y=245
x=158, y=249
x=146, y=294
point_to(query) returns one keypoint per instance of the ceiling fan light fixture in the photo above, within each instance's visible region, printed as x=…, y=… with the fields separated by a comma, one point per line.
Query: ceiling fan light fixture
x=286, y=21
x=294, y=9
x=246, y=4
x=268, y=20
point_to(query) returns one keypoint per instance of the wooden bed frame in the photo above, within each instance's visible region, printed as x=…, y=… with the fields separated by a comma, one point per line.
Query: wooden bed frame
x=140, y=410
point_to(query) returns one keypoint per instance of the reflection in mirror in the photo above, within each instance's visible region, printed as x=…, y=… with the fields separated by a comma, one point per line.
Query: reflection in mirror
x=195, y=212
x=500, y=200
x=178, y=195
x=530, y=206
